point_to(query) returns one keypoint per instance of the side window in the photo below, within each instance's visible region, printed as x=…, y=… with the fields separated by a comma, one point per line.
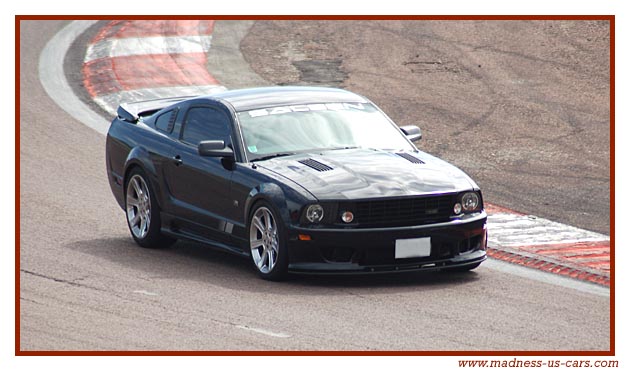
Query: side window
x=166, y=121
x=204, y=123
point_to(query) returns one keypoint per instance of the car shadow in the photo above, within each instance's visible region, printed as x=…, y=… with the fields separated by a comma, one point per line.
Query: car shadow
x=193, y=261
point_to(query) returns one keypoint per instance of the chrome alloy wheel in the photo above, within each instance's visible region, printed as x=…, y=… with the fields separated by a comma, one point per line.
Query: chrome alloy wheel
x=138, y=206
x=263, y=240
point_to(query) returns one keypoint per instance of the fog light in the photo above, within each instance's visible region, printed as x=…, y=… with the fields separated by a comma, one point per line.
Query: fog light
x=315, y=213
x=457, y=209
x=347, y=217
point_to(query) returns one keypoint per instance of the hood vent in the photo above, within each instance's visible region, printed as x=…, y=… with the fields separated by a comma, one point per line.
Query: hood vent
x=410, y=158
x=314, y=164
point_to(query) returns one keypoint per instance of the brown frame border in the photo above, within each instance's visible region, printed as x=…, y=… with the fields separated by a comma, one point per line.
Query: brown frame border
x=611, y=352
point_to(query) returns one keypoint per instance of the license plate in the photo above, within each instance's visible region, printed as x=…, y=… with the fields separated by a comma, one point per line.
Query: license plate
x=413, y=248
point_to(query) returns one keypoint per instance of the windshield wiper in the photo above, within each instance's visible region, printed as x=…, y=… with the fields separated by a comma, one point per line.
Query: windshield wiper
x=272, y=156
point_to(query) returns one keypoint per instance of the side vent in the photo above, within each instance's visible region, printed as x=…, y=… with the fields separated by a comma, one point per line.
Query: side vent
x=410, y=158
x=315, y=164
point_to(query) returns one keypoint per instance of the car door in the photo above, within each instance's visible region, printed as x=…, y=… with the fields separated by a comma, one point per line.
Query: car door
x=199, y=185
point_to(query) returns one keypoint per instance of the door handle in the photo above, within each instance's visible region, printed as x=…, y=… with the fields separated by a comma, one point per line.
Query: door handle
x=177, y=160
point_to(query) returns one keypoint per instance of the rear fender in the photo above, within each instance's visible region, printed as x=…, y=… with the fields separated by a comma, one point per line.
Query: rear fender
x=139, y=156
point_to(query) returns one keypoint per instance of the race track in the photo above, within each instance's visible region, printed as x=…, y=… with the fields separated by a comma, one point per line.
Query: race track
x=84, y=284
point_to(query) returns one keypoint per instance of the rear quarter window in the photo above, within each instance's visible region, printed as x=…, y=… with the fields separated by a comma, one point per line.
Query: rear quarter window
x=166, y=121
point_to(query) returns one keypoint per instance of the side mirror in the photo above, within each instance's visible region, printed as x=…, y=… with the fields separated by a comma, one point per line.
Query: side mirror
x=412, y=132
x=214, y=148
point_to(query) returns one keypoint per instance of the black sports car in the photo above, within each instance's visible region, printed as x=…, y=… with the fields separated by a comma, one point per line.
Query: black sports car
x=311, y=180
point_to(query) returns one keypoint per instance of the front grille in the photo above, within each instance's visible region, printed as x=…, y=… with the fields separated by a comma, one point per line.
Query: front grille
x=401, y=211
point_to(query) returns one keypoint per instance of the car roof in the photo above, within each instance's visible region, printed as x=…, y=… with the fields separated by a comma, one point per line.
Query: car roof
x=255, y=98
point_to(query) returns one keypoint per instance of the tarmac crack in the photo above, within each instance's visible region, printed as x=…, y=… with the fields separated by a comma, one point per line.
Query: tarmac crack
x=60, y=280
x=31, y=300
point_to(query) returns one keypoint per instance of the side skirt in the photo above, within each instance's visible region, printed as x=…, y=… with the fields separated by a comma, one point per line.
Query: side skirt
x=169, y=228
x=213, y=244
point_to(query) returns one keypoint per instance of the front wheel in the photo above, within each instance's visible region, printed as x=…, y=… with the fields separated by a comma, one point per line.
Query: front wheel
x=267, y=243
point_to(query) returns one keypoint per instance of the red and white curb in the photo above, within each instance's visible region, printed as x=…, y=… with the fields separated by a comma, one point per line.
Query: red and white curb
x=142, y=60
x=543, y=244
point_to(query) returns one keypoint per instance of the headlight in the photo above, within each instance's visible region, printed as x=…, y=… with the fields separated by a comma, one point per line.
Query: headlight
x=470, y=201
x=315, y=213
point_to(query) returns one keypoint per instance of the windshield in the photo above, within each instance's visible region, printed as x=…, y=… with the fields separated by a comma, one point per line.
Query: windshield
x=303, y=128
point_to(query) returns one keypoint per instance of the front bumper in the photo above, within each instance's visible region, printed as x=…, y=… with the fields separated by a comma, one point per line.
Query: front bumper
x=457, y=243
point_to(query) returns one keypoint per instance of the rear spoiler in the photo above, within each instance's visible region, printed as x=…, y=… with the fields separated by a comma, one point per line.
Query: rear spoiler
x=131, y=112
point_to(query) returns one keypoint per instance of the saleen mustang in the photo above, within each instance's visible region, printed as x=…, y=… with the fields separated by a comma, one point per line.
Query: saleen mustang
x=309, y=180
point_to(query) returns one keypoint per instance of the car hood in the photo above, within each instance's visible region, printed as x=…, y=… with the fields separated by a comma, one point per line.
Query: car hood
x=367, y=173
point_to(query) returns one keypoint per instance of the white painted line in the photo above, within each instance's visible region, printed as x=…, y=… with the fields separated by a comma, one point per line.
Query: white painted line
x=522, y=230
x=143, y=292
x=53, y=79
x=111, y=102
x=114, y=47
x=264, y=332
x=545, y=277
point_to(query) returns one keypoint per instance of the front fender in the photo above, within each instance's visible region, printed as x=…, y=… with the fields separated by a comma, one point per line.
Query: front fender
x=286, y=206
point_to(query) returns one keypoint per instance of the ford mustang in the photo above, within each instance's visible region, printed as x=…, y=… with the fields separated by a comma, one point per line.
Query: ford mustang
x=297, y=179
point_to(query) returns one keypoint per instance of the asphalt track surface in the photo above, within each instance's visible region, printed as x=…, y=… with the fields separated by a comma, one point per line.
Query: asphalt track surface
x=86, y=286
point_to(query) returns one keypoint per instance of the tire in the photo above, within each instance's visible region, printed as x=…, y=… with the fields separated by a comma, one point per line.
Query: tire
x=464, y=268
x=267, y=242
x=143, y=212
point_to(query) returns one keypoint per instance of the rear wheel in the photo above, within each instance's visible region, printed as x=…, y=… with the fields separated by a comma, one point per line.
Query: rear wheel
x=143, y=212
x=267, y=243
